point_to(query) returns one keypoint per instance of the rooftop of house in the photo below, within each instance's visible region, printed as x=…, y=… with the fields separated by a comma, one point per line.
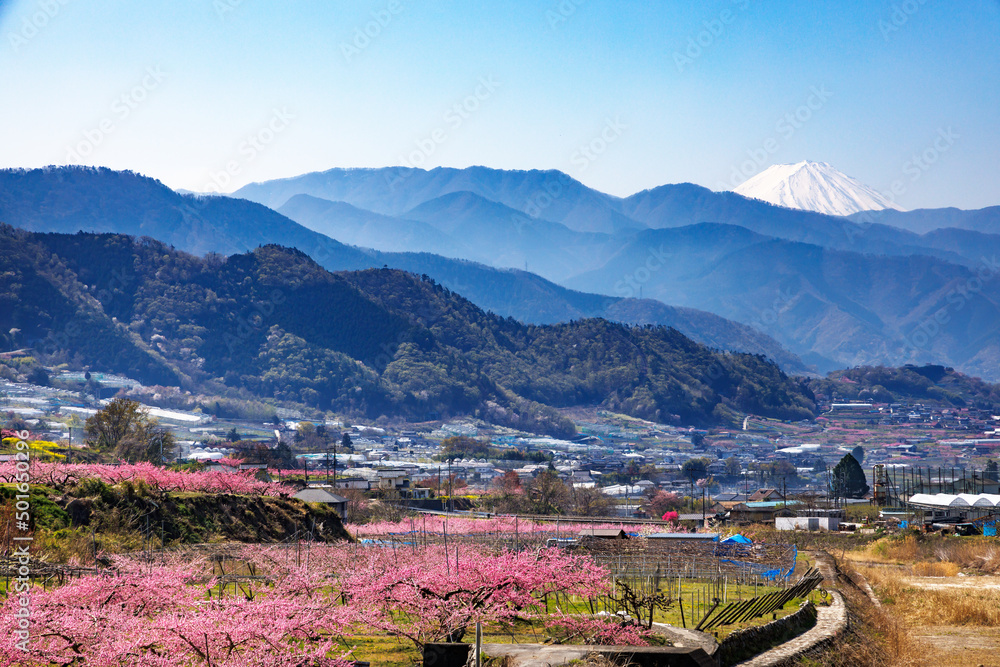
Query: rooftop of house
x=314, y=495
x=606, y=533
x=765, y=494
x=770, y=504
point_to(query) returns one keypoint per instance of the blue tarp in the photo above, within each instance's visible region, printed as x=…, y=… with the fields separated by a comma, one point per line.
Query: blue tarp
x=734, y=551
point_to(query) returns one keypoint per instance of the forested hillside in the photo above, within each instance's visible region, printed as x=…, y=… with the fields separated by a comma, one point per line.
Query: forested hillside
x=927, y=384
x=273, y=323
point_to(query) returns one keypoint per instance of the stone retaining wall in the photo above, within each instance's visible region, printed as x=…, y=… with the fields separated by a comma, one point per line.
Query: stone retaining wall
x=831, y=622
x=746, y=643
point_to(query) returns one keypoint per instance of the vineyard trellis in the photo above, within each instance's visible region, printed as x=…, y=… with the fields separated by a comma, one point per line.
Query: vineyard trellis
x=695, y=575
x=736, y=612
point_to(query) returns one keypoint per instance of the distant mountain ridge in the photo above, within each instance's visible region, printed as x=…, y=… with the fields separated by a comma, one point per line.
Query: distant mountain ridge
x=835, y=292
x=921, y=221
x=395, y=190
x=556, y=197
x=727, y=256
x=101, y=200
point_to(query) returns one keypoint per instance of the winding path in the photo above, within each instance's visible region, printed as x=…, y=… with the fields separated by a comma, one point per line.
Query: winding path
x=830, y=622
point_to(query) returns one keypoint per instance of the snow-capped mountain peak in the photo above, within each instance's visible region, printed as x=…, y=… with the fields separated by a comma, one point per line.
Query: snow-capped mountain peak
x=814, y=186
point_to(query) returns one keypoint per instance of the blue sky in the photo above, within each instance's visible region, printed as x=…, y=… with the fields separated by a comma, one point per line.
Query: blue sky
x=622, y=96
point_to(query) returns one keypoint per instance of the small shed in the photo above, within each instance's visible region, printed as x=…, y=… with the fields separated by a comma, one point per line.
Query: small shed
x=807, y=522
x=603, y=534
x=761, y=512
x=314, y=495
x=686, y=537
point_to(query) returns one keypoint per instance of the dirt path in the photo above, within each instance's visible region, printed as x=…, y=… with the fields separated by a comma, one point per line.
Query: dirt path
x=960, y=646
x=946, y=583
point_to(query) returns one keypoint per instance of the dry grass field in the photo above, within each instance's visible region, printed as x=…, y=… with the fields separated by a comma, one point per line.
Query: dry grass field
x=939, y=601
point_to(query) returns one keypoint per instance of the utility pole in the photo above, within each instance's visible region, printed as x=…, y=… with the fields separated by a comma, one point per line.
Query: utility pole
x=703, y=506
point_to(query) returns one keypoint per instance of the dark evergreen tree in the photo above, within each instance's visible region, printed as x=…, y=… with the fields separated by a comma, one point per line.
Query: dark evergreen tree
x=859, y=453
x=849, y=479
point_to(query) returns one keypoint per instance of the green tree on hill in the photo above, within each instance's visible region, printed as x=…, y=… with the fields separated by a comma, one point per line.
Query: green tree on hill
x=849, y=478
x=548, y=493
x=695, y=469
x=124, y=427
x=733, y=467
x=463, y=447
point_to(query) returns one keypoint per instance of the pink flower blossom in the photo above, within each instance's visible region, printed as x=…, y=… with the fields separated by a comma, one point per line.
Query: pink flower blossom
x=162, y=479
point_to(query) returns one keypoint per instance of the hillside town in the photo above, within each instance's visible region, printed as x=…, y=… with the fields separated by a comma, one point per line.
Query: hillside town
x=761, y=471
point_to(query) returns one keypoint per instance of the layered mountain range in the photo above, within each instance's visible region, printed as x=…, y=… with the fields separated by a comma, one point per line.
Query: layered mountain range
x=100, y=200
x=878, y=287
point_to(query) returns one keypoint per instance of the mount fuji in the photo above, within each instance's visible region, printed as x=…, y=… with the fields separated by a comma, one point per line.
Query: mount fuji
x=814, y=186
